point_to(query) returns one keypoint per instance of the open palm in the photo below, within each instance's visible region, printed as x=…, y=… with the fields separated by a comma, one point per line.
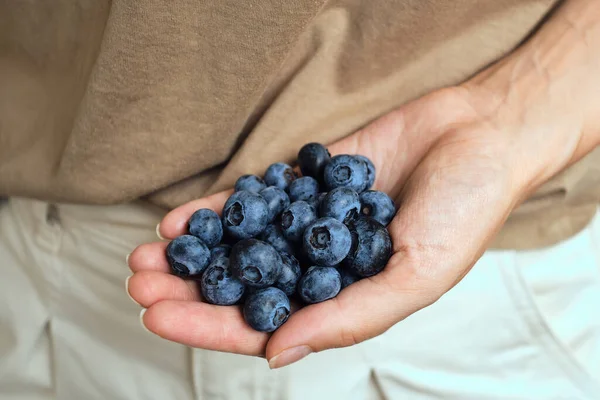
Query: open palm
x=450, y=173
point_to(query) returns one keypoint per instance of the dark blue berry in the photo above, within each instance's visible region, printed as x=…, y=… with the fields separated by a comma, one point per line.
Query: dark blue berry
x=371, y=247
x=219, y=251
x=245, y=215
x=206, y=225
x=279, y=175
x=296, y=218
x=346, y=171
x=267, y=309
x=188, y=256
x=312, y=159
x=255, y=263
x=319, y=284
x=348, y=277
x=274, y=236
x=342, y=204
x=250, y=183
x=378, y=206
x=370, y=171
x=304, y=189
x=277, y=201
x=290, y=274
x=327, y=242
x=219, y=286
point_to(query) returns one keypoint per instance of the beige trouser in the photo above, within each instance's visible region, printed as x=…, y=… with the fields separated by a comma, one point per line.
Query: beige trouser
x=522, y=325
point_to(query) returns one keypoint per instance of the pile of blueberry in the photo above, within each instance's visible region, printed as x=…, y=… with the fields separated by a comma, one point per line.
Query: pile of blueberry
x=281, y=237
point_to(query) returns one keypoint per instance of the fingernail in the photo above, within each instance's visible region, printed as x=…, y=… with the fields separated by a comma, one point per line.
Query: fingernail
x=289, y=356
x=142, y=320
x=127, y=259
x=127, y=291
x=158, y=232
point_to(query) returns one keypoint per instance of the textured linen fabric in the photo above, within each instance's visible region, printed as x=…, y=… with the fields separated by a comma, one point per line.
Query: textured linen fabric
x=106, y=102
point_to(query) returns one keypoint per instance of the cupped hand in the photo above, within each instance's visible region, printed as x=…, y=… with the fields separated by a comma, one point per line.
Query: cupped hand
x=455, y=173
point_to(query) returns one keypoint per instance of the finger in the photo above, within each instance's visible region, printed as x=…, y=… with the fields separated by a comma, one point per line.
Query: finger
x=205, y=326
x=363, y=310
x=452, y=206
x=175, y=222
x=150, y=287
x=149, y=257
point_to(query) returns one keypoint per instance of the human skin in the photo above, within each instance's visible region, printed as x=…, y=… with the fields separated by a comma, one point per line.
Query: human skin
x=458, y=160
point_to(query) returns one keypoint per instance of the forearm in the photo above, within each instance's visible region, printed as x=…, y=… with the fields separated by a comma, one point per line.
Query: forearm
x=547, y=93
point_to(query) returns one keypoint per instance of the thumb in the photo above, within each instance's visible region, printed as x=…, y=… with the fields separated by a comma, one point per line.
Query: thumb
x=452, y=205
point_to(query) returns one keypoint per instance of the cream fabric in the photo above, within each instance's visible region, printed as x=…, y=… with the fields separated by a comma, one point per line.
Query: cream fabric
x=522, y=325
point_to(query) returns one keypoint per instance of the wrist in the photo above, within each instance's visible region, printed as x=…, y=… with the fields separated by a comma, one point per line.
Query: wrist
x=546, y=95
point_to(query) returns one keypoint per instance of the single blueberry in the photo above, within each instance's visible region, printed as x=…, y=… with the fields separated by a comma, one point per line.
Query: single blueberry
x=371, y=172
x=219, y=286
x=296, y=218
x=255, y=263
x=348, y=277
x=371, y=247
x=377, y=205
x=250, y=183
x=219, y=251
x=274, y=236
x=346, y=171
x=312, y=159
x=206, y=225
x=277, y=201
x=304, y=189
x=342, y=204
x=319, y=284
x=279, y=175
x=245, y=215
x=290, y=274
x=327, y=242
x=188, y=256
x=267, y=309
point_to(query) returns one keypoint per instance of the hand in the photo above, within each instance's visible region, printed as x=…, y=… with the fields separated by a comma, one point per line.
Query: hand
x=456, y=161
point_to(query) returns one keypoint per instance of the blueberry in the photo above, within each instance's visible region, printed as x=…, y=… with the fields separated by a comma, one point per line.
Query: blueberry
x=312, y=159
x=348, y=277
x=319, y=284
x=187, y=255
x=304, y=189
x=255, y=263
x=279, y=175
x=245, y=215
x=290, y=274
x=274, y=236
x=371, y=247
x=219, y=251
x=346, y=171
x=370, y=171
x=267, y=309
x=277, y=200
x=342, y=204
x=250, y=183
x=378, y=206
x=206, y=225
x=327, y=242
x=296, y=218
x=219, y=286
